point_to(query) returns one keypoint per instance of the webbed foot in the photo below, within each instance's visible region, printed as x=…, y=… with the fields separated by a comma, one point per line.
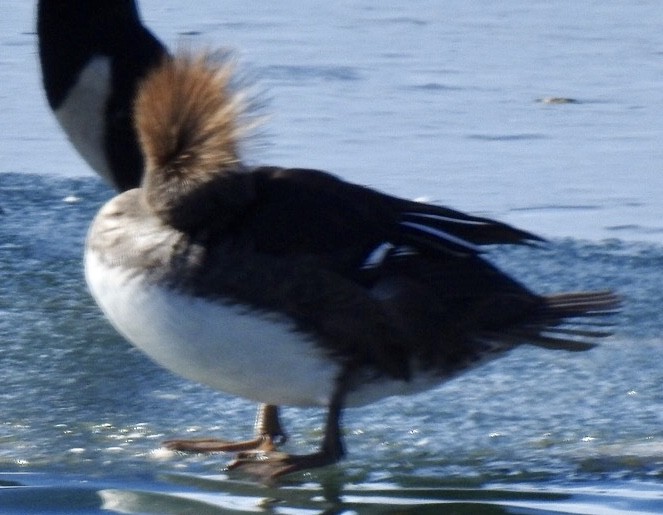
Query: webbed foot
x=268, y=435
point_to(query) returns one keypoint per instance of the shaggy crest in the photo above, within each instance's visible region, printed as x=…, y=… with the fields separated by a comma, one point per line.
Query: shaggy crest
x=188, y=119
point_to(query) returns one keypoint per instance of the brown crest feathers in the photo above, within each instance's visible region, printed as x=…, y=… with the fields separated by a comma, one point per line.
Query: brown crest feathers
x=186, y=111
x=187, y=117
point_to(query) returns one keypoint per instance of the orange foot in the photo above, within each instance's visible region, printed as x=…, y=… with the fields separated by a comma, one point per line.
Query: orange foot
x=269, y=434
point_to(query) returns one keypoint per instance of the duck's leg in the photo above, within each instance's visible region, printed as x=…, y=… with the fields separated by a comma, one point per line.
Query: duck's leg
x=269, y=464
x=268, y=434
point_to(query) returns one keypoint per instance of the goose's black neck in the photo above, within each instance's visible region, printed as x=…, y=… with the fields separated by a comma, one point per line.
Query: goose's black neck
x=72, y=34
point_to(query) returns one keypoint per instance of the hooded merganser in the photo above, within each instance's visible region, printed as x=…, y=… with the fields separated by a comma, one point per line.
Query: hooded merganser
x=294, y=287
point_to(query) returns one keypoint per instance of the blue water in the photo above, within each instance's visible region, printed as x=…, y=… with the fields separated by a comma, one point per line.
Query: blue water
x=415, y=99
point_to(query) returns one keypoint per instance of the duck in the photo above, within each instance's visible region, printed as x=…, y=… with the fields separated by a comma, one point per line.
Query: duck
x=295, y=287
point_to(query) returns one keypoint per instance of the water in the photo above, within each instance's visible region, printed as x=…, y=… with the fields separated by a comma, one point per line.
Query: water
x=417, y=100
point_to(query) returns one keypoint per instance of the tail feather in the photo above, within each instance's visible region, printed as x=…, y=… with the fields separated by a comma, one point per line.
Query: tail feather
x=585, y=333
x=581, y=304
x=566, y=321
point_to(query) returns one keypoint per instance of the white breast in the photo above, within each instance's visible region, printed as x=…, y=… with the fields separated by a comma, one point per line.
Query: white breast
x=226, y=347
x=82, y=114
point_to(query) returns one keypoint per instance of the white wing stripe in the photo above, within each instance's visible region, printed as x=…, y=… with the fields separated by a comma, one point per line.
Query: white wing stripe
x=441, y=235
x=441, y=218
